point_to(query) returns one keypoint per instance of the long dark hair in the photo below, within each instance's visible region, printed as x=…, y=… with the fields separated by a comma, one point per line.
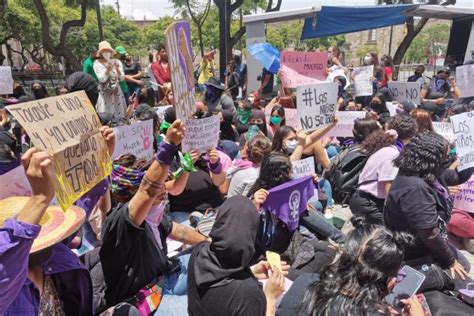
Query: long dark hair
x=382, y=107
x=363, y=128
x=356, y=283
x=424, y=156
x=275, y=170
x=281, y=112
x=279, y=137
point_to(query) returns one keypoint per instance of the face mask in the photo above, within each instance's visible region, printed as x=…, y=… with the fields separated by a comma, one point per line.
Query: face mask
x=291, y=145
x=275, y=120
x=368, y=60
x=106, y=55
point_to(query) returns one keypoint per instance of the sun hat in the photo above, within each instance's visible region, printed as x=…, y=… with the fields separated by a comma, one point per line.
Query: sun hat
x=120, y=50
x=214, y=82
x=56, y=225
x=104, y=45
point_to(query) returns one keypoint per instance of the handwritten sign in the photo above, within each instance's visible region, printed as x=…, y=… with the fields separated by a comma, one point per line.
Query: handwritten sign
x=180, y=58
x=392, y=107
x=336, y=71
x=300, y=68
x=136, y=139
x=465, y=200
x=68, y=127
x=316, y=105
x=160, y=111
x=402, y=91
x=290, y=117
x=463, y=129
x=363, y=80
x=201, y=134
x=6, y=80
x=345, y=123
x=14, y=183
x=303, y=168
x=465, y=80
x=444, y=129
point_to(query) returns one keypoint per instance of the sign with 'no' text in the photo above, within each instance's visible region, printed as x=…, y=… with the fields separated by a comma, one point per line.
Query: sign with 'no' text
x=316, y=105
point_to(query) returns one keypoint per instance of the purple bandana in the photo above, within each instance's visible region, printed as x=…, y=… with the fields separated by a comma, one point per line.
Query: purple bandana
x=288, y=200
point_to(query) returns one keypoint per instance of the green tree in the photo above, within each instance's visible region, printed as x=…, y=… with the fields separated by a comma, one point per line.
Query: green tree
x=432, y=40
x=155, y=34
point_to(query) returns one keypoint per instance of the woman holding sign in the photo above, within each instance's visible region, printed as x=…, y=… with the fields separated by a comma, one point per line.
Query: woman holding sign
x=109, y=72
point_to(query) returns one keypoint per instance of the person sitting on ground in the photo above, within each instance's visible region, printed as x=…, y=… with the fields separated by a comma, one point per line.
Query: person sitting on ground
x=423, y=120
x=419, y=75
x=215, y=98
x=378, y=108
x=378, y=173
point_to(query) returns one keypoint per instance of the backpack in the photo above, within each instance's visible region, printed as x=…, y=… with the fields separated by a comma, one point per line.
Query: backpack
x=343, y=173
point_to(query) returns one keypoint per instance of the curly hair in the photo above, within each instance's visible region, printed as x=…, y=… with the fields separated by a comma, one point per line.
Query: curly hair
x=356, y=283
x=404, y=125
x=279, y=137
x=423, y=120
x=376, y=141
x=257, y=148
x=275, y=170
x=424, y=156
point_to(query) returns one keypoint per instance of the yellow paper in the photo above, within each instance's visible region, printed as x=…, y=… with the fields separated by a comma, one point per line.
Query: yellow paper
x=67, y=126
x=274, y=260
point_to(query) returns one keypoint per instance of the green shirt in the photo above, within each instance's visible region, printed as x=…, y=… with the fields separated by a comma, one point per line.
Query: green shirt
x=88, y=67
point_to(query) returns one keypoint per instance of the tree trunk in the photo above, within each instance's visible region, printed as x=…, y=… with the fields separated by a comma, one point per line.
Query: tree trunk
x=412, y=32
x=201, y=41
x=3, y=7
x=61, y=49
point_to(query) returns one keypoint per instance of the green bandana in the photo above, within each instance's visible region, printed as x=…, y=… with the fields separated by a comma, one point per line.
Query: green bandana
x=243, y=115
x=164, y=126
x=187, y=165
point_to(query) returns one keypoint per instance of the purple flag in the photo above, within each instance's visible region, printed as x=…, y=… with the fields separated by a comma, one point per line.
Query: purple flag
x=288, y=200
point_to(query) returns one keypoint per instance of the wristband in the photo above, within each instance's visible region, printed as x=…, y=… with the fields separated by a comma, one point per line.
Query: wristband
x=215, y=168
x=166, y=153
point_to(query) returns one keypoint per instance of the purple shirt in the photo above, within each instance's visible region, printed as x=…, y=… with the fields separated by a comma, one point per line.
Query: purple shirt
x=18, y=296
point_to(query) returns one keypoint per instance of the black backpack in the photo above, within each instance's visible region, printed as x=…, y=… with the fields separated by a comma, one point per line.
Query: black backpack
x=343, y=173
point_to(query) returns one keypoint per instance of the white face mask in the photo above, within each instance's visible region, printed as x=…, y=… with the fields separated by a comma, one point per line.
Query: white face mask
x=368, y=60
x=107, y=55
x=291, y=145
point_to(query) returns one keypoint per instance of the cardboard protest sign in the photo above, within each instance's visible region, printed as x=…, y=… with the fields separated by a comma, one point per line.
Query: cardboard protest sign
x=463, y=129
x=465, y=200
x=160, y=111
x=465, y=80
x=303, y=168
x=136, y=139
x=14, y=183
x=180, y=59
x=363, y=80
x=300, y=68
x=345, y=123
x=402, y=91
x=6, y=80
x=445, y=129
x=68, y=127
x=316, y=105
x=392, y=108
x=290, y=117
x=201, y=134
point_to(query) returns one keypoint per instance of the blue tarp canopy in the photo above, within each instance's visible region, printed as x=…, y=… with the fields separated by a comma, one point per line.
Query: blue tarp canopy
x=340, y=20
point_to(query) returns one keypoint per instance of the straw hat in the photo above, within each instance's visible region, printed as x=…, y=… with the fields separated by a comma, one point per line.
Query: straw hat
x=104, y=45
x=56, y=225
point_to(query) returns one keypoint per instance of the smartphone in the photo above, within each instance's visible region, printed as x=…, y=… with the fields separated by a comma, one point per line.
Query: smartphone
x=409, y=281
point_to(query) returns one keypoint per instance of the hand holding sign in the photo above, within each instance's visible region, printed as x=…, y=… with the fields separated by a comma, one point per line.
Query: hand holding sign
x=39, y=170
x=109, y=137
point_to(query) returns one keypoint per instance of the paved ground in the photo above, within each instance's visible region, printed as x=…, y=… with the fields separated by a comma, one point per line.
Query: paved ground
x=344, y=213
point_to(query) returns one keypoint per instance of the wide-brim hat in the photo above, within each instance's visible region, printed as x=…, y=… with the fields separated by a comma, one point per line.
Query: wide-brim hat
x=56, y=225
x=214, y=82
x=103, y=46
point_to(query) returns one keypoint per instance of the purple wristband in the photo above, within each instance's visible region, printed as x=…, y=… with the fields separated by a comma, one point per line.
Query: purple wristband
x=215, y=168
x=166, y=153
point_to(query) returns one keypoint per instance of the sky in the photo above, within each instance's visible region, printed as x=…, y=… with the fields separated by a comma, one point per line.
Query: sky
x=153, y=9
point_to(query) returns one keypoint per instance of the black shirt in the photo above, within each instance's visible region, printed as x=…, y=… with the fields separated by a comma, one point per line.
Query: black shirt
x=242, y=296
x=198, y=195
x=130, y=256
x=269, y=87
x=131, y=70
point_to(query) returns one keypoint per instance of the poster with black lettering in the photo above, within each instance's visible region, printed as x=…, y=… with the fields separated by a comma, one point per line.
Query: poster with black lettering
x=316, y=105
x=362, y=77
x=403, y=91
x=303, y=168
x=180, y=58
x=6, y=80
x=201, y=134
x=465, y=80
x=68, y=127
x=136, y=139
x=463, y=129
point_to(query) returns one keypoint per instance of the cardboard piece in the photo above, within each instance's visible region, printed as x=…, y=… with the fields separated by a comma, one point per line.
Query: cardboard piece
x=463, y=129
x=274, y=260
x=402, y=91
x=6, y=80
x=300, y=68
x=316, y=105
x=201, y=134
x=465, y=200
x=345, y=123
x=136, y=139
x=67, y=126
x=363, y=80
x=304, y=167
x=445, y=129
x=465, y=80
x=180, y=59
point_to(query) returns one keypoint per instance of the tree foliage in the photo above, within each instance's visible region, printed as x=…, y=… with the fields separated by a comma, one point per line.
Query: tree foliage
x=431, y=41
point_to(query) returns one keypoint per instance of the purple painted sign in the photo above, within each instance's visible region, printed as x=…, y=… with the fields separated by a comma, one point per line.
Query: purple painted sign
x=289, y=200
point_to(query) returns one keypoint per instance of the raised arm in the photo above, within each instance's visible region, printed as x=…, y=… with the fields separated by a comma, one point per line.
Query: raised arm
x=153, y=182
